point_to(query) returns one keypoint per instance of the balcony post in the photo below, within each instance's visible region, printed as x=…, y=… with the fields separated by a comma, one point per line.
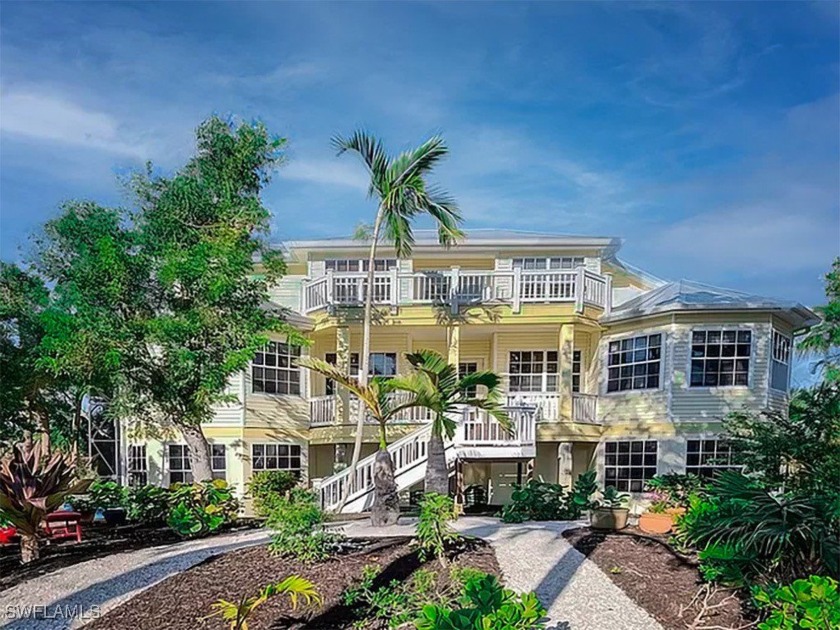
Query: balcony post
x=342, y=362
x=454, y=287
x=453, y=344
x=608, y=280
x=580, y=288
x=329, y=289
x=395, y=286
x=565, y=356
x=517, y=289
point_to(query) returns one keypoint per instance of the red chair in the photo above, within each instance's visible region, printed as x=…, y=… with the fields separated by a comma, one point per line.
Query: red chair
x=60, y=525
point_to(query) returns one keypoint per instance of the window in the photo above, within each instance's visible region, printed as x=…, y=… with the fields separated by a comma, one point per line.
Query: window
x=180, y=470
x=720, y=358
x=138, y=467
x=347, y=264
x=332, y=359
x=704, y=458
x=468, y=367
x=634, y=363
x=276, y=457
x=576, y=364
x=533, y=371
x=274, y=370
x=629, y=464
x=560, y=262
x=780, y=365
x=383, y=364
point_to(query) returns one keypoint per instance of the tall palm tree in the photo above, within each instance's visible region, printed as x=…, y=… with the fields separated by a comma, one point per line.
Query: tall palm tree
x=402, y=193
x=377, y=399
x=436, y=385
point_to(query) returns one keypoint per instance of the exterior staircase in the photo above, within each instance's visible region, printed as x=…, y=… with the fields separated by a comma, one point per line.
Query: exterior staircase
x=478, y=436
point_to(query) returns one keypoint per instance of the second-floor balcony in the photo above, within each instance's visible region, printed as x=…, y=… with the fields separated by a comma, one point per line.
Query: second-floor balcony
x=456, y=287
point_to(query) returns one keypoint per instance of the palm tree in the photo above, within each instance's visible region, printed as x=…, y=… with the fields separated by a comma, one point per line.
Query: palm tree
x=399, y=186
x=378, y=401
x=436, y=386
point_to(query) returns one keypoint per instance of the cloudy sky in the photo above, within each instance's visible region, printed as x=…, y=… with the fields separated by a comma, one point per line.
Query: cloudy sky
x=706, y=135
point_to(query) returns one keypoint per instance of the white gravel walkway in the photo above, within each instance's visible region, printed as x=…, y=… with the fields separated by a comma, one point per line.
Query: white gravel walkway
x=73, y=595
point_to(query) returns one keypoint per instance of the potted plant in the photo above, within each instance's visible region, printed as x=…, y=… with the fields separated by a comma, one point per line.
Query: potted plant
x=659, y=516
x=610, y=511
x=109, y=497
x=669, y=495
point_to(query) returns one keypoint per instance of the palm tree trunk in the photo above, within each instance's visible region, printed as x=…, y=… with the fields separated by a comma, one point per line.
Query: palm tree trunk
x=29, y=549
x=365, y=361
x=199, y=451
x=437, y=472
x=386, y=500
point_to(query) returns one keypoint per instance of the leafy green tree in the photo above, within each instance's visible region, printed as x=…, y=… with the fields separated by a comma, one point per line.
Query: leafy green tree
x=399, y=185
x=824, y=338
x=436, y=386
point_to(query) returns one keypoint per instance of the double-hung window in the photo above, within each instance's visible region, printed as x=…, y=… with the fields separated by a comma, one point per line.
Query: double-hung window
x=533, y=371
x=332, y=359
x=180, y=470
x=274, y=369
x=704, y=458
x=138, y=467
x=780, y=364
x=720, y=358
x=276, y=457
x=628, y=464
x=383, y=364
x=634, y=363
x=576, y=371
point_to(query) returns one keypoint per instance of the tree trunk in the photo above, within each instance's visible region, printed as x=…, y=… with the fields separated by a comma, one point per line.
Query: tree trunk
x=364, y=368
x=386, y=501
x=199, y=451
x=29, y=549
x=77, y=425
x=44, y=430
x=437, y=473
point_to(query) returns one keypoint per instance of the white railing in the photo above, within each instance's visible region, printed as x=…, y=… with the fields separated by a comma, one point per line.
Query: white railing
x=479, y=428
x=546, y=404
x=584, y=408
x=322, y=410
x=455, y=287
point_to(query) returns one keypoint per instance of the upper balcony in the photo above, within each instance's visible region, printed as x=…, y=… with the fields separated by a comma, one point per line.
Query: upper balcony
x=455, y=288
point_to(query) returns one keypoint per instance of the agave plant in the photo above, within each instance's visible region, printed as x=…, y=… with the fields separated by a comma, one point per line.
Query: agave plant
x=33, y=484
x=236, y=613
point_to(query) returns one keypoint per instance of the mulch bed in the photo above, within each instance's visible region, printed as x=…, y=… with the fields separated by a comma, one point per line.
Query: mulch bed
x=660, y=580
x=183, y=601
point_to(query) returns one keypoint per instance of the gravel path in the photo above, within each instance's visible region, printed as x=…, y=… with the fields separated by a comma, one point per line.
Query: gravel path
x=536, y=557
x=72, y=595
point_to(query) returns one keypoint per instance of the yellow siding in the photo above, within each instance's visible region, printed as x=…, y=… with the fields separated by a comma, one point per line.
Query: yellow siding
x=447, y=262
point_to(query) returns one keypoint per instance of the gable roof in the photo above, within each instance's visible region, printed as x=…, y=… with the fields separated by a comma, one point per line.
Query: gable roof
x=688, y=295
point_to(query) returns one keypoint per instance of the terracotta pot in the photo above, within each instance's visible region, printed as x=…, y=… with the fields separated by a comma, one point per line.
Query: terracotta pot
x=608, y=518
x=656, y=523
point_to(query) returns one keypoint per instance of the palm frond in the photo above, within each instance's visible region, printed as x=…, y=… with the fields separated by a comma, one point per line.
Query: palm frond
x=372, y=153
x=417, y=162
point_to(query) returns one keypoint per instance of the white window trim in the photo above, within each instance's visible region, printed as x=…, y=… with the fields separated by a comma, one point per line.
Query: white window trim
x=167, y=460
x=304, y=378
x=548, y=260
x=301, y=470
x=543, y=375
x=605, y=357
x=129, y=469
x=627, y=439
x=713, y=388
x=704, y=437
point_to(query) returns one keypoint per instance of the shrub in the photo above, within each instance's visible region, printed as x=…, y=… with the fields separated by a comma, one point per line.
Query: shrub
x=201, y=508
x=237, y=613
x=811, y=603
x=297, y=522
x=104, y=494
x=541, y=501
x=434, y=534
x=486, y=605
x=611, y=499
x=148, y=504
x=266, y=487
x=675, y=488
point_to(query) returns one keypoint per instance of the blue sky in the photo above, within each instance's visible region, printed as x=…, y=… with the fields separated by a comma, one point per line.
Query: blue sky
x=707, y=135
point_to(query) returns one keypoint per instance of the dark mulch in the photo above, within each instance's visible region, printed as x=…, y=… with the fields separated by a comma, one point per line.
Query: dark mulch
x=660, y=580
x=183, y=601
x=97, y=541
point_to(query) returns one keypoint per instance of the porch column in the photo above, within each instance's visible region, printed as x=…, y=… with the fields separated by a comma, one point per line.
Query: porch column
x=459, y=485
x=564, y=464
x=342, y=362
x=565, y=355
x=453, y=344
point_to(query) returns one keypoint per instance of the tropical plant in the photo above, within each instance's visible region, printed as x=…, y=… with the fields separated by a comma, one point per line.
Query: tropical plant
x=434, y=534
x=436, y=385
x=297, y=528
x=236, y=613
x=812, y=603
x=148, y=504
x=824, y=338
x=399, y=185
x=266, y=487
x=106, y=493
x=675, y=488
x=611, y=499
x=33, y=484
x=201, y=508
x=538, y=500
x=486, y=605
x=380, y=400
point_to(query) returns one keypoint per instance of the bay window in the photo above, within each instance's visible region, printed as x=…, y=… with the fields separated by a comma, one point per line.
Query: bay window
x=720, y=358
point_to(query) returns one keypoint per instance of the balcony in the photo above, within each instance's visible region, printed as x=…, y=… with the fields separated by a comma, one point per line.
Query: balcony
x=456, y=288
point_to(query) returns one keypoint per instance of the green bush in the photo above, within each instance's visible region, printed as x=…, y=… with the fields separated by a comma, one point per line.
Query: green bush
x=266, y=487
x=297, y=522
x=148, y=504
x=104, y=494
x=486, y=605
x=812, y=603
x=676, y=488
x=542, y=501
x=201, y=508
x=434, y=533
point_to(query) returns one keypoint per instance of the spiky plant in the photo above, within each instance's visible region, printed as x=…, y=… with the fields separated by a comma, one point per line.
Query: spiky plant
x=236, y=613
x=33, y=484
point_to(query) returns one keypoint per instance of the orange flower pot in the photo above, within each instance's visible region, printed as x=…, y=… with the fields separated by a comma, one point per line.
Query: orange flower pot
x=656, y=523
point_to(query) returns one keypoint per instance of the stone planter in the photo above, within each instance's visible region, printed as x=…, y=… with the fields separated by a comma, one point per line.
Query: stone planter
x=609, y=518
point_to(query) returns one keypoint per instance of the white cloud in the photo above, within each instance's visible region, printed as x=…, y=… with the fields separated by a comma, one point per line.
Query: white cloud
x=331, y=172
x=41, y=116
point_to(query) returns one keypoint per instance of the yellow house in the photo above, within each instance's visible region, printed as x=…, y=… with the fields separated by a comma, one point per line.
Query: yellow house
x=604, y=365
